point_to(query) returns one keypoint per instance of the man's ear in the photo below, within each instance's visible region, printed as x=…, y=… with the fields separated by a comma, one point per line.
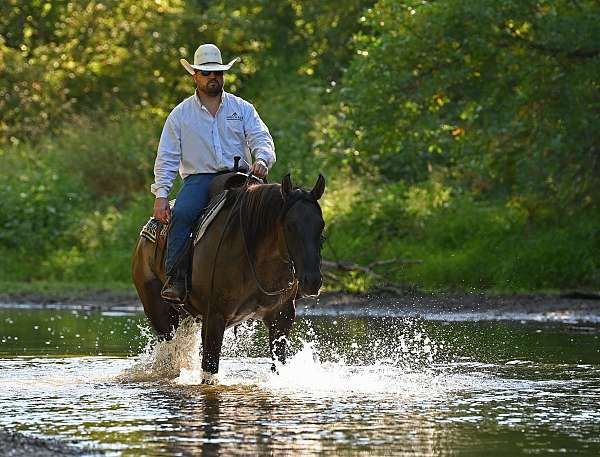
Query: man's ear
x=286, y=186
x=319, y=188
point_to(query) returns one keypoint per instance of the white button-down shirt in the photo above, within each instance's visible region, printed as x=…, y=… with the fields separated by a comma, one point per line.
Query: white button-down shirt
x=193, y=141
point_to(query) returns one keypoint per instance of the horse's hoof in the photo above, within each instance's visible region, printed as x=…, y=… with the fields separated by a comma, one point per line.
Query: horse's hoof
x=210, y=379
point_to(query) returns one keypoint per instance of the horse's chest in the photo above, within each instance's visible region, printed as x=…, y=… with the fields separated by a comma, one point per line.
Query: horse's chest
x=255, y=309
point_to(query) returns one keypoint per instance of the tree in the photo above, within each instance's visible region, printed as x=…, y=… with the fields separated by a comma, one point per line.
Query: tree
x=502, y=94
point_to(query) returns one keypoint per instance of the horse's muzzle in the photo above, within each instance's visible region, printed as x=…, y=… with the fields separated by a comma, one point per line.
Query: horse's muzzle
x=310, y=283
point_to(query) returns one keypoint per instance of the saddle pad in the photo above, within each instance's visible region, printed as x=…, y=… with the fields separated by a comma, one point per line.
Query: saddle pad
x=150, y=230
x=209, y=214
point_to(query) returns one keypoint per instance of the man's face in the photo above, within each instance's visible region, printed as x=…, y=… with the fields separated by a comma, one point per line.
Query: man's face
x=210, y=84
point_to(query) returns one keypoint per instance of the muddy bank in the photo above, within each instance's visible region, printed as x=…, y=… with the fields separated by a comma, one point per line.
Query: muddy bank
x=16, y=444
x=431, y=305
x=93, y=298
x=575, y=305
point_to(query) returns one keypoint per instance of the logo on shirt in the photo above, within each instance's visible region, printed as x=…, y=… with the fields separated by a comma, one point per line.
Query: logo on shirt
x=234, y=117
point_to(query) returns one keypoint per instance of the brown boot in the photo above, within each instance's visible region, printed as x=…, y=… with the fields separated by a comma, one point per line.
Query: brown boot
x=174, y=290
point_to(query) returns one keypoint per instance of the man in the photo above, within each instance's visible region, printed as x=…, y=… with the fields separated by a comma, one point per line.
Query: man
x=201, y=137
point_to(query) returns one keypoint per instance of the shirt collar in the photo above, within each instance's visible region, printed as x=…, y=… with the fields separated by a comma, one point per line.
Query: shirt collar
x=224, y=95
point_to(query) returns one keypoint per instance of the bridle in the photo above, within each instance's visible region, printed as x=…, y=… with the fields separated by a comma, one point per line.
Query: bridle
x=290, y=262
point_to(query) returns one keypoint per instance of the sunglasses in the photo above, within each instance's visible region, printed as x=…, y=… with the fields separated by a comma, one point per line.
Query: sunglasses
x=208, y=72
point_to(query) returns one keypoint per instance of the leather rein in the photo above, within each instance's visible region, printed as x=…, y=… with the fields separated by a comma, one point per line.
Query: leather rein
x=260, y=287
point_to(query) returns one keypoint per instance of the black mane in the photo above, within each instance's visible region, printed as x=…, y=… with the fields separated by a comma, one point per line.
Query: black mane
x=262, y=206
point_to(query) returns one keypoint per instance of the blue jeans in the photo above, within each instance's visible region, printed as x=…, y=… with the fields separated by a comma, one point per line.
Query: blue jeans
x=192, y=198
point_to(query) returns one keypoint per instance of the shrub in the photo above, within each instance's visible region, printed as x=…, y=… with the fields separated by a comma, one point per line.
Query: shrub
x=111, y=157
x=40, y=201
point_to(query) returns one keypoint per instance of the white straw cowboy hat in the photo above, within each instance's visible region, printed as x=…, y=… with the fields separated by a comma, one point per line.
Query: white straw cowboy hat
x=207, y=57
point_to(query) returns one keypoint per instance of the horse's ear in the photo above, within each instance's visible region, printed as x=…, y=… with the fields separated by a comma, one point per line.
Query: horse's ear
x=286, y=186
x=319, y=188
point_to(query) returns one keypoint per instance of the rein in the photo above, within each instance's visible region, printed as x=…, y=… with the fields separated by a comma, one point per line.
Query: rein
x=260, y=287
x=252, y=268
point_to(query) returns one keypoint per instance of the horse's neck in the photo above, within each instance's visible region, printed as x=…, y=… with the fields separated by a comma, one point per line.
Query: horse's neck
x=269, y=247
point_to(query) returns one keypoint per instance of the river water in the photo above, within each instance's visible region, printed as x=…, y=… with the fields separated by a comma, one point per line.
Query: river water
x=355, y=386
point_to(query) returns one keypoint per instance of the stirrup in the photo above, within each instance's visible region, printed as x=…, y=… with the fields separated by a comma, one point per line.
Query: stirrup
x=175, y=290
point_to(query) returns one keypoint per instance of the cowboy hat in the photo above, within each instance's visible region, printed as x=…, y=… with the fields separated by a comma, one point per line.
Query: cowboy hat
x=207, y=57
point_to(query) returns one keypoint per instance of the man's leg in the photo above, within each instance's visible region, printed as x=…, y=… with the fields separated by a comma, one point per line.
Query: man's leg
x=191, y=200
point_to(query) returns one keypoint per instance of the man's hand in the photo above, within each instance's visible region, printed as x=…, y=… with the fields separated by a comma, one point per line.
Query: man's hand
x=162, y=211
x=259, y=169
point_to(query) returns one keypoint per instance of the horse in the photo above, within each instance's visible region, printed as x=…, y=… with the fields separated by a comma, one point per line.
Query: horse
x=260, y=253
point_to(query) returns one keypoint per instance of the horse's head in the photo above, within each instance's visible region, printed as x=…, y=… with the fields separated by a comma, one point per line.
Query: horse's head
x=303, y=227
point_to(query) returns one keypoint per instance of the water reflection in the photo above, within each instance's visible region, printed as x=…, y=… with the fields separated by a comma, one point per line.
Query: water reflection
x=250, y=421
x=354, y=387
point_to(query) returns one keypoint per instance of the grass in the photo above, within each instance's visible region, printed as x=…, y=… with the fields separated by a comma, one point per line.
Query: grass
x=461, y=244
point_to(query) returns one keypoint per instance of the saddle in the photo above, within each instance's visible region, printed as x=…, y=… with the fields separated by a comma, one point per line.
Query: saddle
x=217, y=194
x=154, y=230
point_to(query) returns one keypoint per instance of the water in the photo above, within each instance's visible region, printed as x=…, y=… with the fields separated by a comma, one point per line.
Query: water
x=355, y=386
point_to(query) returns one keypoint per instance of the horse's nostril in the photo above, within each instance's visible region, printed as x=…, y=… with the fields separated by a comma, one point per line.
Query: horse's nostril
x=311, y=283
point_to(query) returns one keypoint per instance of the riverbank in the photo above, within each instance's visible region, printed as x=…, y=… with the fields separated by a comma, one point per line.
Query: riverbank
x=575, y=306
x=16, y=444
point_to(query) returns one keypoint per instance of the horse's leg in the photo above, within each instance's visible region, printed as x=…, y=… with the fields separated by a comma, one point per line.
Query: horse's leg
x=162, y=316
x=279, y=325
x=213, y=328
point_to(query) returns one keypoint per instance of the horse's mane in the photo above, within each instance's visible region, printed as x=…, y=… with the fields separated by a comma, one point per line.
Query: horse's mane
x=261, y=206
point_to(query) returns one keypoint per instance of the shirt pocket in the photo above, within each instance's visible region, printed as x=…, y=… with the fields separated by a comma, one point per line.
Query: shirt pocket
x=235, y=134
x=235, y=127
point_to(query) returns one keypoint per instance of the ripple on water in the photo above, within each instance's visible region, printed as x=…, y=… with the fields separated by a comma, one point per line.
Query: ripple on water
x=395, y=393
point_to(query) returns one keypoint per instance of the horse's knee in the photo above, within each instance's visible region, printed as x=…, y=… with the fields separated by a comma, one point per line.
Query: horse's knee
x=163, y=318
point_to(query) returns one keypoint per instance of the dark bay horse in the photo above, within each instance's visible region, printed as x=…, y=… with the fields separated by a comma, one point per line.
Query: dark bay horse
x=261, y=252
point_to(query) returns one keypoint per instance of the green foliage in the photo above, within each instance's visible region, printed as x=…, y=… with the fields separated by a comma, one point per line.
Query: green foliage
x=99, y=246
x=121, y=55
x=457, y=133
x=500, y=94
x=493, y=248
x=289, y=115
x=460, y=244
x=111, y=158
x=64, y=216
x=359, y=214
x=71, y=57
x=39, y=201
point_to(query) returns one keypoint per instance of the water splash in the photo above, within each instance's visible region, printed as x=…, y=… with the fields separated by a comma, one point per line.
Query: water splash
x=166, y=359
x=320, y=360
x=305, y=373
